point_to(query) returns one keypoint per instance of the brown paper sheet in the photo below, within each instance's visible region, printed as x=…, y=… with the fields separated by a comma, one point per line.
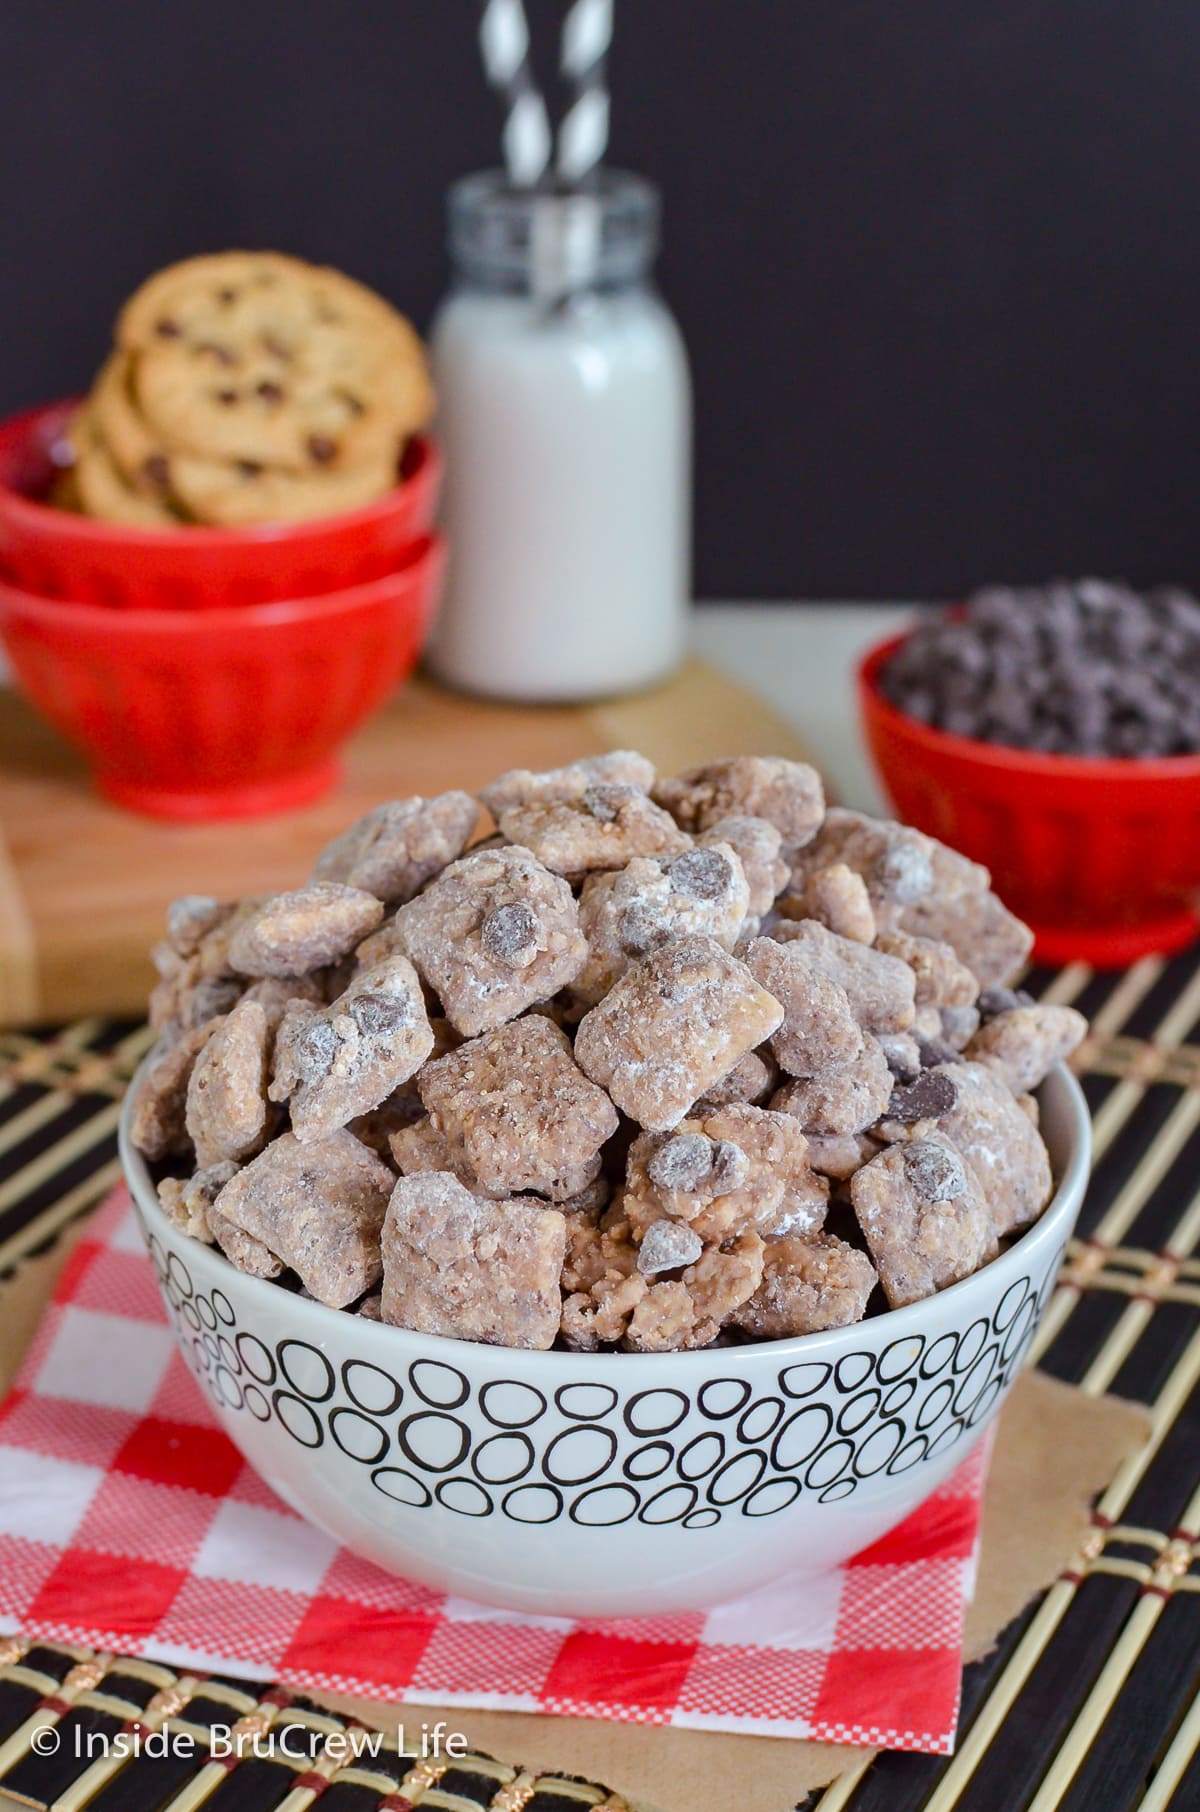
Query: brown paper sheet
x=1056, y=1448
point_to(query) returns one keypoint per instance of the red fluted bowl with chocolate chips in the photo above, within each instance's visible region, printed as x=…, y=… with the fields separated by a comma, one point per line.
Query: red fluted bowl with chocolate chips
x=1100, y=856
x=55, y=552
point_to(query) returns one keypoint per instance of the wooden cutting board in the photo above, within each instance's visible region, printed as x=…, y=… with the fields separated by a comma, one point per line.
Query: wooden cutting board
x=83, y=885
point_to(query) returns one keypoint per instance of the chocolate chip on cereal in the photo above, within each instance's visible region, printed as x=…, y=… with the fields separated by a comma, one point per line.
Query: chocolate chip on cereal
x=935, y=1170
x=335, y=1063
x=704, y=874
x=294, y=933
x=683, y=1161
x=227, y=1114
x=509, y=935
x=757, y=843
x=319, y=1207
x=620, y=767
x=395, y=848
x=933, y=1094
x=1002, y=1000
x=441, y=931
x=742, y=1169
x=894, y=861
x=670, y=1026
x=469, y=1269
x=627, y=914
x=787, y=793
x=808, y=1285
x=919, y=1242
x=666, y=1245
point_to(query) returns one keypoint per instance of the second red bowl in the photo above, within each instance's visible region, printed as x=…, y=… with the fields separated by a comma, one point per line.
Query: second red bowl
x=58, y=554
x=1102, y=858
x=221, y=713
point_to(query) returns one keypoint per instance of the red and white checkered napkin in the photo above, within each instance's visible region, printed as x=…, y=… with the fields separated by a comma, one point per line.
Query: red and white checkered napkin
x=129, y=1521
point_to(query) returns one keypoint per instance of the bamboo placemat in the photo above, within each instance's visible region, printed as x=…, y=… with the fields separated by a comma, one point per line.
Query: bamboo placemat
x=1089, y=1702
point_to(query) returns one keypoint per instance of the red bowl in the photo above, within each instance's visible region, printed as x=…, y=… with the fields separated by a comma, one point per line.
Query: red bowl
x=59, y=554
x=221, y=713
x=1101, y=857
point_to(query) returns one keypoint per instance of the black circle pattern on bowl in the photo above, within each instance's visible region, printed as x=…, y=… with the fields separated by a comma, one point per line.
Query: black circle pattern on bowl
x=425, y=1435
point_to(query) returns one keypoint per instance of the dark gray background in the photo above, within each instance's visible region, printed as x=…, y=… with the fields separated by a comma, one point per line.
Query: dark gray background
x=937, y=263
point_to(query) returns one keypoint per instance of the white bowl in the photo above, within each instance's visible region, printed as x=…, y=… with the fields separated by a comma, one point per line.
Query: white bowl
x=610, y=1484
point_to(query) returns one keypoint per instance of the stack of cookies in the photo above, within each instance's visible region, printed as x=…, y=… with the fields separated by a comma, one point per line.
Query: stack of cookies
x=248, y=387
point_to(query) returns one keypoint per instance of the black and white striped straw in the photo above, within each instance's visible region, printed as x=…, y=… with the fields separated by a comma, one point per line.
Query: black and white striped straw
x=583, y=131
x=504, y=44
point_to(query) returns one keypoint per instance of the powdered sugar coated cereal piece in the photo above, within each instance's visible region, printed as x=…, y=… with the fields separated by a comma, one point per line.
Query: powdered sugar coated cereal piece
x=837, y=897
x=186, y=997
x=228, y=1115
x=671, y=1026
x=1000, y=1144
x=275, y=994
x=895, y=861
x=880, y=987
x=421, y=1147
x=840, y=1155
x=242, y=1250
x=941, y=979
x=679, y=1315
x=788, y=794
x=336, y=1063
x=395, y=848
x=319, y=1207
x=620, y=767
x=191, y=918
x=519, y=1107
x=808, y=1285
x=742, y=1169
x=626, y=914
x=757, y=843
x=925, y=1220
x=293, y=933
x=752, y=1078
x=469, y=1269
x=605, y=827
x=960, y=909
x=840, y=1101
x=158, y=1124
x=473, y=951
x=819, y=1031
x=1026, y=1042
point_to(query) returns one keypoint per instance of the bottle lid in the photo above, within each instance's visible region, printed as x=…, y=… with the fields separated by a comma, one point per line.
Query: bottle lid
x=547, y=244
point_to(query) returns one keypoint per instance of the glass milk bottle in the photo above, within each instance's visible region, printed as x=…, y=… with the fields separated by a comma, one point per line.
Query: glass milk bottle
x=564, y=410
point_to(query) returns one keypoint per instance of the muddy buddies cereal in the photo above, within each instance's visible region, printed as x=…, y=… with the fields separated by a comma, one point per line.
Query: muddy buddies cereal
x=655, y=1062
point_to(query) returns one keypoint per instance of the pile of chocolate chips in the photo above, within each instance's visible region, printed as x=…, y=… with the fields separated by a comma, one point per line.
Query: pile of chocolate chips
x=1083, y=668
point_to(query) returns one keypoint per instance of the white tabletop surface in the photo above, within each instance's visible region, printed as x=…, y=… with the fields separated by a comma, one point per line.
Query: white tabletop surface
x=801, y=657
